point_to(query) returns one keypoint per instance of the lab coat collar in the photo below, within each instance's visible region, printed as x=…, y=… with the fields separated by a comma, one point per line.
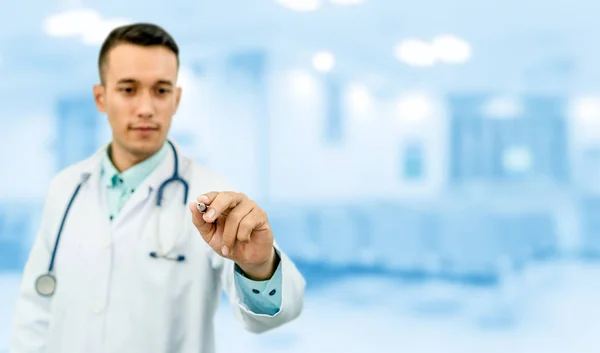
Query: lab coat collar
x=92, y=165
x=149, y=187
x=134, y=176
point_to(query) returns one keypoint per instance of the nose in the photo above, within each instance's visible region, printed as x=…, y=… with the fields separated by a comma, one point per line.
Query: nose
x=145, y=106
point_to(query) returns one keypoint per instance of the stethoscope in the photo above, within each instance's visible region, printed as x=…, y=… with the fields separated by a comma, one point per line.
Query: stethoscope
x=45, y=284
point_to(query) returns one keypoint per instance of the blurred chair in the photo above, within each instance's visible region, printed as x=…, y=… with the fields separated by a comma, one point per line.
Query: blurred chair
x=364, y=253
x=590, y=227
x=470, y=246
x=337, y=237
x=397, y=239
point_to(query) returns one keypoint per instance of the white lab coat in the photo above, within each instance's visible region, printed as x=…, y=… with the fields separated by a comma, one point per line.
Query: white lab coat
x=111, y=295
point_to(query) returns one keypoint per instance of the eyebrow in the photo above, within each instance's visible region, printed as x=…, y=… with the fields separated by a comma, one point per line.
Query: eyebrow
x=159, y=82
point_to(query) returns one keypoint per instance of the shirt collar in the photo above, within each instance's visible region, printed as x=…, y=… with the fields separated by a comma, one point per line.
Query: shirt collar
x=132, y=177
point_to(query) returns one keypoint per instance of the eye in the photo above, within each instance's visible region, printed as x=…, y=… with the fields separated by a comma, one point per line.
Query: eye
x=163, y=90
x=126, y=89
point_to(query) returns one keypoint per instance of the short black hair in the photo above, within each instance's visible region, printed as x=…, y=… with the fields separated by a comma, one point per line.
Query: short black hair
x=143, y=34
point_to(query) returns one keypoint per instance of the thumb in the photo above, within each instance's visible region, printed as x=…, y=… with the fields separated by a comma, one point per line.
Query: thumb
x=206, y=229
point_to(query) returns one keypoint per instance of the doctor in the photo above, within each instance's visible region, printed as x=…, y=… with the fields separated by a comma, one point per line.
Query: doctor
x=125, y=261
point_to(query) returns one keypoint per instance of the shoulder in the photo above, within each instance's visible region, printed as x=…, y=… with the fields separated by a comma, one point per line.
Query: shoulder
x=72, y=175
x=60, y=191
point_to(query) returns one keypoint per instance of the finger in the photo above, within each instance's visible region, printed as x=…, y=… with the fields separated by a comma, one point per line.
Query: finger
x=248, y=224
x=233, y=220
x=206, y=229
x=208, y=197
x=221, y=203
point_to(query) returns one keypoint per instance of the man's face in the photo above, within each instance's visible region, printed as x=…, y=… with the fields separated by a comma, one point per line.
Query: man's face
x=139, y=97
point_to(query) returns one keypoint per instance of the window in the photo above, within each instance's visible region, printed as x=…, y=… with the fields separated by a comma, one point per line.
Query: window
x=333, y=111
x=527, y=141
x=77, y=130
x=412, y=161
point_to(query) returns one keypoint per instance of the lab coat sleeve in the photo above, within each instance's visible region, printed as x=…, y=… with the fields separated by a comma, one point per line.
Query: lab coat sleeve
x=32, y=311
x=249, y=309
x=261, y=297
x=258, y=314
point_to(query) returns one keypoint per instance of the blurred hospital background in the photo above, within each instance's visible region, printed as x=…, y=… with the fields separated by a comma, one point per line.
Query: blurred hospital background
x=432, y=166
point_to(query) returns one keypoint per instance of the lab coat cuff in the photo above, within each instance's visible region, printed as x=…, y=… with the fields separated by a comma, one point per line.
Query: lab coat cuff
x=260, y=297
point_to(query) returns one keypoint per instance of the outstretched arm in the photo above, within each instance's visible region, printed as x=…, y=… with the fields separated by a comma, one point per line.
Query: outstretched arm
x=264, y=286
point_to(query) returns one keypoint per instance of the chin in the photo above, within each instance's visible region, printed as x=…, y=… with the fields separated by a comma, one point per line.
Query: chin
x=146, y=147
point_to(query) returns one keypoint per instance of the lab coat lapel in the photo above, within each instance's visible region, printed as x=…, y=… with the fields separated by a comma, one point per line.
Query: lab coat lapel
x=169, y=218
x=148, y=190
x=91, y=173
x=90, y=196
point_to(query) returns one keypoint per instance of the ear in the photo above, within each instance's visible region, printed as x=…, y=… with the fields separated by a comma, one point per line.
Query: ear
x=100, y=97
x=177, y=98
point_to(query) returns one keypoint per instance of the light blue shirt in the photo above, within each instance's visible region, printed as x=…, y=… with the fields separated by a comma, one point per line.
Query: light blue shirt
x=261, y=297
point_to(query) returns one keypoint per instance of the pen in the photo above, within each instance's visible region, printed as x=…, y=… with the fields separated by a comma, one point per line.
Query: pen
x=201, y=207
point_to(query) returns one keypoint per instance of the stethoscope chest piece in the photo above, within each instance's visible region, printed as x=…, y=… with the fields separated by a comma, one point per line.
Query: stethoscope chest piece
x=45, y=285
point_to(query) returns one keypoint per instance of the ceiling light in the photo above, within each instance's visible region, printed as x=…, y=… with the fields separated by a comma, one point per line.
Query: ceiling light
x=451, y=49
x=415, y=52
x=358, y=99
x=301, y=5
x=347, y=2
x=587, y=109
x=95, y=34
x=414, y=107
x=70, y=23
x=323, y=61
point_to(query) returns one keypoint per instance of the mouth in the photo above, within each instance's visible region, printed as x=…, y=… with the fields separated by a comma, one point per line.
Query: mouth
x=144, y=131
x=144, y=128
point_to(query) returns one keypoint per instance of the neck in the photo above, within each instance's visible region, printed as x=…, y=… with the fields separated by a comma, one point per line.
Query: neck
x=123, y=160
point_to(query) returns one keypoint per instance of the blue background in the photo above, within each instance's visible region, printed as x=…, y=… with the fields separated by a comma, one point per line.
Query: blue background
x=432, y=166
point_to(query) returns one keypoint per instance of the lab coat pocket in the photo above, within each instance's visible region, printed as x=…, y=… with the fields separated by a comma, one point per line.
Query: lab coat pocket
x=164, y=260
x=66, y=331
x=56, y=330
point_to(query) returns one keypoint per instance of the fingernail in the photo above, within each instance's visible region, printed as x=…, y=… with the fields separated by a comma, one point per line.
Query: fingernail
x=203, y=198
x=225, y=250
